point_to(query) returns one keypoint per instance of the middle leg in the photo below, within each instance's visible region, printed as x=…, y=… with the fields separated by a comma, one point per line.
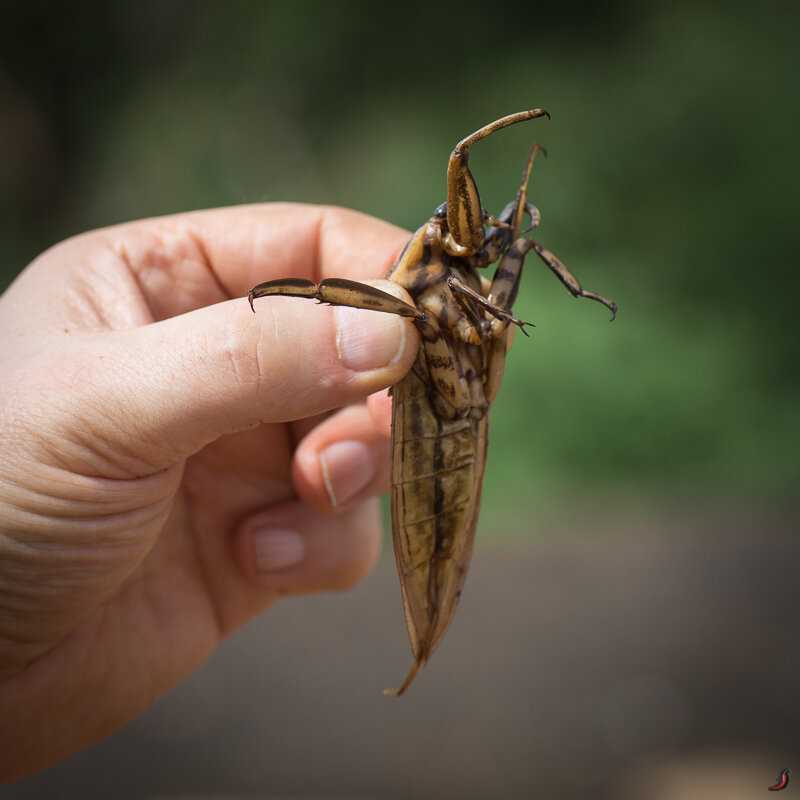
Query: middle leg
x=490, y=307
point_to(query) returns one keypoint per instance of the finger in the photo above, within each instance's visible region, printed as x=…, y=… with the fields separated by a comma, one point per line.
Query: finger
x=163, y=391
x=293, y=549
x=379, y=406
x=342, y=461
x=302, y=427
x=128, y=275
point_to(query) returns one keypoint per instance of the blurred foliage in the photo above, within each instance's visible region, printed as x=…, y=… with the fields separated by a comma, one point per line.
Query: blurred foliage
x=671, y=186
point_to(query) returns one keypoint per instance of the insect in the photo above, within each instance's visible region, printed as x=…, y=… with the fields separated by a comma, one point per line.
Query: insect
x=440, y=409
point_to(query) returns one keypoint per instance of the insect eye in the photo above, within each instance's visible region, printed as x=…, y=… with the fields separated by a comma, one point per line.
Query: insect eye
x=441, y=211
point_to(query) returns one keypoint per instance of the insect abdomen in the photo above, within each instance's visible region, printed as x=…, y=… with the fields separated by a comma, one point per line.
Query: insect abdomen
x=436, y=469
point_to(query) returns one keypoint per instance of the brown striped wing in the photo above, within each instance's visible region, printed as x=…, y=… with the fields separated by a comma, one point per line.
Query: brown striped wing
x=437, y=474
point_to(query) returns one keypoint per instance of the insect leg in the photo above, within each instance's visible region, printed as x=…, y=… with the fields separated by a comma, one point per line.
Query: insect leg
x=496, y=311
x=558, y=268
x=472, y=327
x=464, y=211
x=505, y=283
x=506, y=279
x=520, y=205
x=502, y=294
x=507, y=226
x=500, y=235
x=535, y=215
x=337, y=292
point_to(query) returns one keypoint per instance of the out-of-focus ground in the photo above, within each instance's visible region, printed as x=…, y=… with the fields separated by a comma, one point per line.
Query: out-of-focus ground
x=656, y=662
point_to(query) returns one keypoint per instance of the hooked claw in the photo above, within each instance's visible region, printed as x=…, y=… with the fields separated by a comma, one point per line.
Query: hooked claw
x=521, y=325
x=609, y=304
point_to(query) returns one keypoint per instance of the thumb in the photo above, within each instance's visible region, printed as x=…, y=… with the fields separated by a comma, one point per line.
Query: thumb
x=168, y=389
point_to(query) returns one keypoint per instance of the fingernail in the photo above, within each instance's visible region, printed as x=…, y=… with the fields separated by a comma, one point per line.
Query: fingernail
x=368, y=339
x=347, y=468
x=278, y=548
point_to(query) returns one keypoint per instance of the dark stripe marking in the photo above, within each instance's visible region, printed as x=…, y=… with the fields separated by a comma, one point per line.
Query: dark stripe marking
x=443, y=471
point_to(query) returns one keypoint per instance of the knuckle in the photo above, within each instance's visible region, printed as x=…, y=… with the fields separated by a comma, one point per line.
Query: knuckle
x=238, y=350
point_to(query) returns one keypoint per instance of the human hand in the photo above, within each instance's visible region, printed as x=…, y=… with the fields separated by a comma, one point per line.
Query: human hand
x=161, y=453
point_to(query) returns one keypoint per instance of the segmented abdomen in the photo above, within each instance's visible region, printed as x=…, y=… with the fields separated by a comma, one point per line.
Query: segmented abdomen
x=437, y=471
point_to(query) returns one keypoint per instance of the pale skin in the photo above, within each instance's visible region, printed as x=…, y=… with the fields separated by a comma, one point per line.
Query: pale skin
x=171, y=463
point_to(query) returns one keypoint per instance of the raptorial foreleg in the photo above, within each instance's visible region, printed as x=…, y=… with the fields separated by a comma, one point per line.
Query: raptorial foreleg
x=337, y=292
x=465, y=233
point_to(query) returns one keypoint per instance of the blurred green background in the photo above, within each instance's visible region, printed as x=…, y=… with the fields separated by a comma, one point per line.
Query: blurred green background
x=671, y=187
x=632, y=599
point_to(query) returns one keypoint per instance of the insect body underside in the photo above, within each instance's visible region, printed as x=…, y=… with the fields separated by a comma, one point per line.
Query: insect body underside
x=440, y=409
x=437, y=472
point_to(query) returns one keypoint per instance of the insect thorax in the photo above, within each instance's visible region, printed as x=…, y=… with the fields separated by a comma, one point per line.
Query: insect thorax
x=454, y=354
